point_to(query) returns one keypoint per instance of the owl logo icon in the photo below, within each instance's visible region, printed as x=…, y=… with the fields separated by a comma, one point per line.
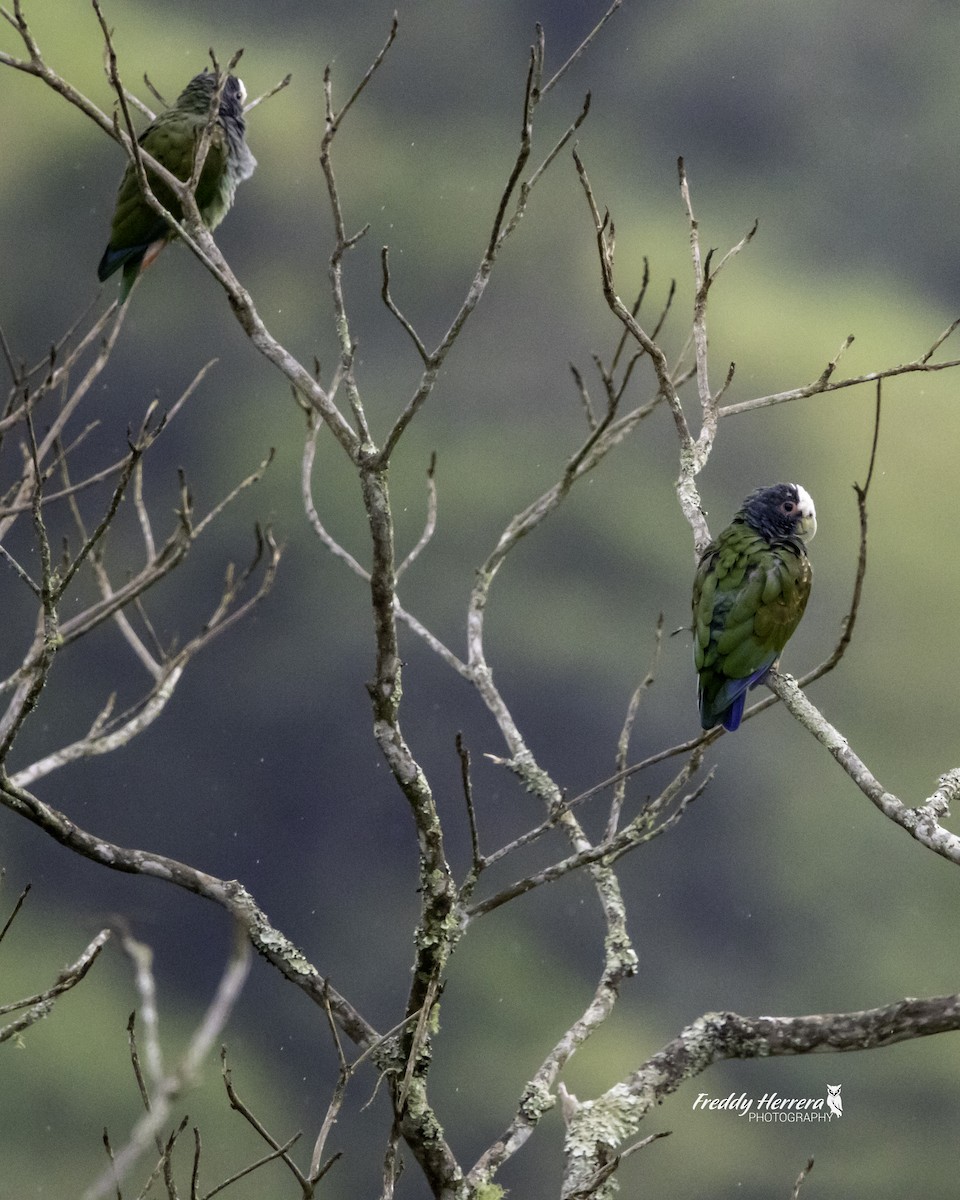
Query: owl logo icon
x=834, y=1102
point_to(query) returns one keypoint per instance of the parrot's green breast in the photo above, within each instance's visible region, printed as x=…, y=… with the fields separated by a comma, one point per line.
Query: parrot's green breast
x=749, y=595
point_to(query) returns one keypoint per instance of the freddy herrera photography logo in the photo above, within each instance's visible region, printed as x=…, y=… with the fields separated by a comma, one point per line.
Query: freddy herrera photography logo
x=773, y=1107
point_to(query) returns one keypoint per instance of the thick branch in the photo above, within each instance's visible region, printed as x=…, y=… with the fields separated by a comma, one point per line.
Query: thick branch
x=596, y=1127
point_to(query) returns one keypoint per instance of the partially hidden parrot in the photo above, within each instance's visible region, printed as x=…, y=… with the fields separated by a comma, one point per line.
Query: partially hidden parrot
x=750, y=590
x=138, y=234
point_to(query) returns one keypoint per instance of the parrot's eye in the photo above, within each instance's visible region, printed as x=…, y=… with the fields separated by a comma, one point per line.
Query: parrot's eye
x=788, y=508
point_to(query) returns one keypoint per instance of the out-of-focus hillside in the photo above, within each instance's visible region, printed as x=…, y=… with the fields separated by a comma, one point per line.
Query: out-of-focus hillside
x=781, y=890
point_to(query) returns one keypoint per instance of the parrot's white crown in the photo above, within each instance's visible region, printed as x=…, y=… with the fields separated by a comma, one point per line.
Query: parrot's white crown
x=808, y=512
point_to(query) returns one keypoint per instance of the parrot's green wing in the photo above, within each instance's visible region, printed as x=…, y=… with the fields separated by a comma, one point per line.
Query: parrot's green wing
x=136, y=230
x=748, y=597
x=137, y=233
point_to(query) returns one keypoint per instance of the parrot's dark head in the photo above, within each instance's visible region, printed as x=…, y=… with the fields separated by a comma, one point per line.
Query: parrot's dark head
x=781, y=511
x=196, y=96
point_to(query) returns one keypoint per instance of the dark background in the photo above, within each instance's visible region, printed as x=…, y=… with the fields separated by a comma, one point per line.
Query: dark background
x=782, y=891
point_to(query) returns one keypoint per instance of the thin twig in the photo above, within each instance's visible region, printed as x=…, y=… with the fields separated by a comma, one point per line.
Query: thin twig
x=623, y=743
x=16, y=908
x=335, y=119
x=170, y=1086
x=389, y=302
x=918, y=365
x=254, y=477
x=592, y=1186
x=277, y=87
x=430, y=525
x=141, y=956
x=642, y=829
x=795, y=1195
x=280, y=1152
x=501, y=229
x=478, y=861
x=40, y=1005
x=558, y=75
x=317, y=1167
x=238, y=1106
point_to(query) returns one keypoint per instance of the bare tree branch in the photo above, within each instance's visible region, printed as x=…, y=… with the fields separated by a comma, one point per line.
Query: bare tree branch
x=921, y=822
x=821, y=386
x=558, y=75
x=800, y=1178
x=45, y=398
x=166, y=1089
x=597, y=1125
x=40, y=1005
x=228, y=894
x=279, y=1149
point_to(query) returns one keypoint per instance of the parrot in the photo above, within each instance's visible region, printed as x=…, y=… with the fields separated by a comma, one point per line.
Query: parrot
x=138, y=234
x=751, y=588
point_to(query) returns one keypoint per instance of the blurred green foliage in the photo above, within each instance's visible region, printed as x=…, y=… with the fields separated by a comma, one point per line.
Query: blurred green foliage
x=782, y=890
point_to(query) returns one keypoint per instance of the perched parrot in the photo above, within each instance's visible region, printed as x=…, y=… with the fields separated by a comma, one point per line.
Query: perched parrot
x=749, y=594
x=138, y=234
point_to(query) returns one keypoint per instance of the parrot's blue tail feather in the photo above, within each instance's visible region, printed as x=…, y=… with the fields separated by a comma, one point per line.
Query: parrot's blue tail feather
x=734, y=713
x=113, y=260
x=728, y=703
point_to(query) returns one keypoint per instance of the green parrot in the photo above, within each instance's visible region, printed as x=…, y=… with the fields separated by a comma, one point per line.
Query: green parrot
x=751, y=588
x=138, y=234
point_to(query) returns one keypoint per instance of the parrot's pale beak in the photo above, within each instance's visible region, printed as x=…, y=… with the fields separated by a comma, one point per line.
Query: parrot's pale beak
x=808, y=515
